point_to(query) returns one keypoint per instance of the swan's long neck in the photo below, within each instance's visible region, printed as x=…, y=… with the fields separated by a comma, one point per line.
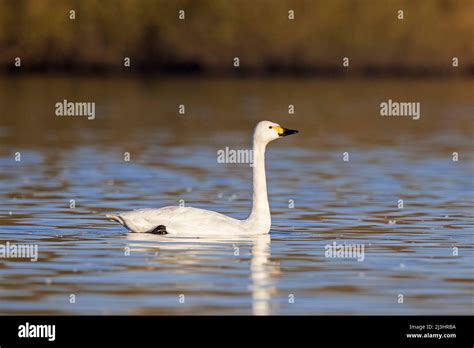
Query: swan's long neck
x=259, y=218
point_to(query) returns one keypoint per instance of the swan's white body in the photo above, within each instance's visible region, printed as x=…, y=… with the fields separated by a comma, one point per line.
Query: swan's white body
x=200, y=222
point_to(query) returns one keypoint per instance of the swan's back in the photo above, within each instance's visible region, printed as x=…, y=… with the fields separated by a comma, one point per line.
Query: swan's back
x=179, y=220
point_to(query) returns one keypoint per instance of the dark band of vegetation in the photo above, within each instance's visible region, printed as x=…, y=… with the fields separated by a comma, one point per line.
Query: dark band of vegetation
x=259, y=32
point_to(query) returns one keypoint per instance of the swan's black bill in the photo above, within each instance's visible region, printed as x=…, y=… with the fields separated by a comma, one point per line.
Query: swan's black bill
x=287, y=131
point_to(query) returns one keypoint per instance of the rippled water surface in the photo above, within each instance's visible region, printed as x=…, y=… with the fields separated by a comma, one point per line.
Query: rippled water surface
x=422, y=251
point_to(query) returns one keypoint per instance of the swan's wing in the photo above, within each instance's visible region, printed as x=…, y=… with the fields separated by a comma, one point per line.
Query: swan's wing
x=145, y=220
x=193, y=221
x=179, y=220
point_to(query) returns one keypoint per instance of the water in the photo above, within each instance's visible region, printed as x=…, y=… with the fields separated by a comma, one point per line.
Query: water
x=409, y=251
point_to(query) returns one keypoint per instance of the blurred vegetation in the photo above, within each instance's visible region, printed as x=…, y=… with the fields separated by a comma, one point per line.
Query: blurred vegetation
x=257, y=31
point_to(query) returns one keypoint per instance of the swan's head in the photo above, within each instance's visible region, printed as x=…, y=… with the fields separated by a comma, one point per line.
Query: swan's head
x=267, y=131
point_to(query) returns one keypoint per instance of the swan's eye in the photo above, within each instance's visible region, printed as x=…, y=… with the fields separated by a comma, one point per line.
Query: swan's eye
x=270, y=127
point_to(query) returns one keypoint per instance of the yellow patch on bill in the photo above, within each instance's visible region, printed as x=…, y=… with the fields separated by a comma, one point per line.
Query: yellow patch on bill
x=279, y=129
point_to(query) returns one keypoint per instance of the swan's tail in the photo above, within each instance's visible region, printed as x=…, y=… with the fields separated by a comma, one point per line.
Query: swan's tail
x=115, y=218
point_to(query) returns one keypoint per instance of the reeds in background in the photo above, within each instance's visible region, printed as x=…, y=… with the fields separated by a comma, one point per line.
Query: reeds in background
x=257, y=31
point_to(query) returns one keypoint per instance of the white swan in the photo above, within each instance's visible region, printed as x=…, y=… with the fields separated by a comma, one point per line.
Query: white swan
x=200, y=222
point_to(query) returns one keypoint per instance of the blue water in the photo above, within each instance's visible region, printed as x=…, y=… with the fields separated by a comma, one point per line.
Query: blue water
x=409, y=251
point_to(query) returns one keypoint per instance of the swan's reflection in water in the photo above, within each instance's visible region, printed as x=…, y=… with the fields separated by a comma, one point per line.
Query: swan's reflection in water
x=261, y=272
x=188, y=253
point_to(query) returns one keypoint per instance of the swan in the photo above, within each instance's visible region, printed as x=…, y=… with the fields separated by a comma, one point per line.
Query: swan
x=199, y=222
